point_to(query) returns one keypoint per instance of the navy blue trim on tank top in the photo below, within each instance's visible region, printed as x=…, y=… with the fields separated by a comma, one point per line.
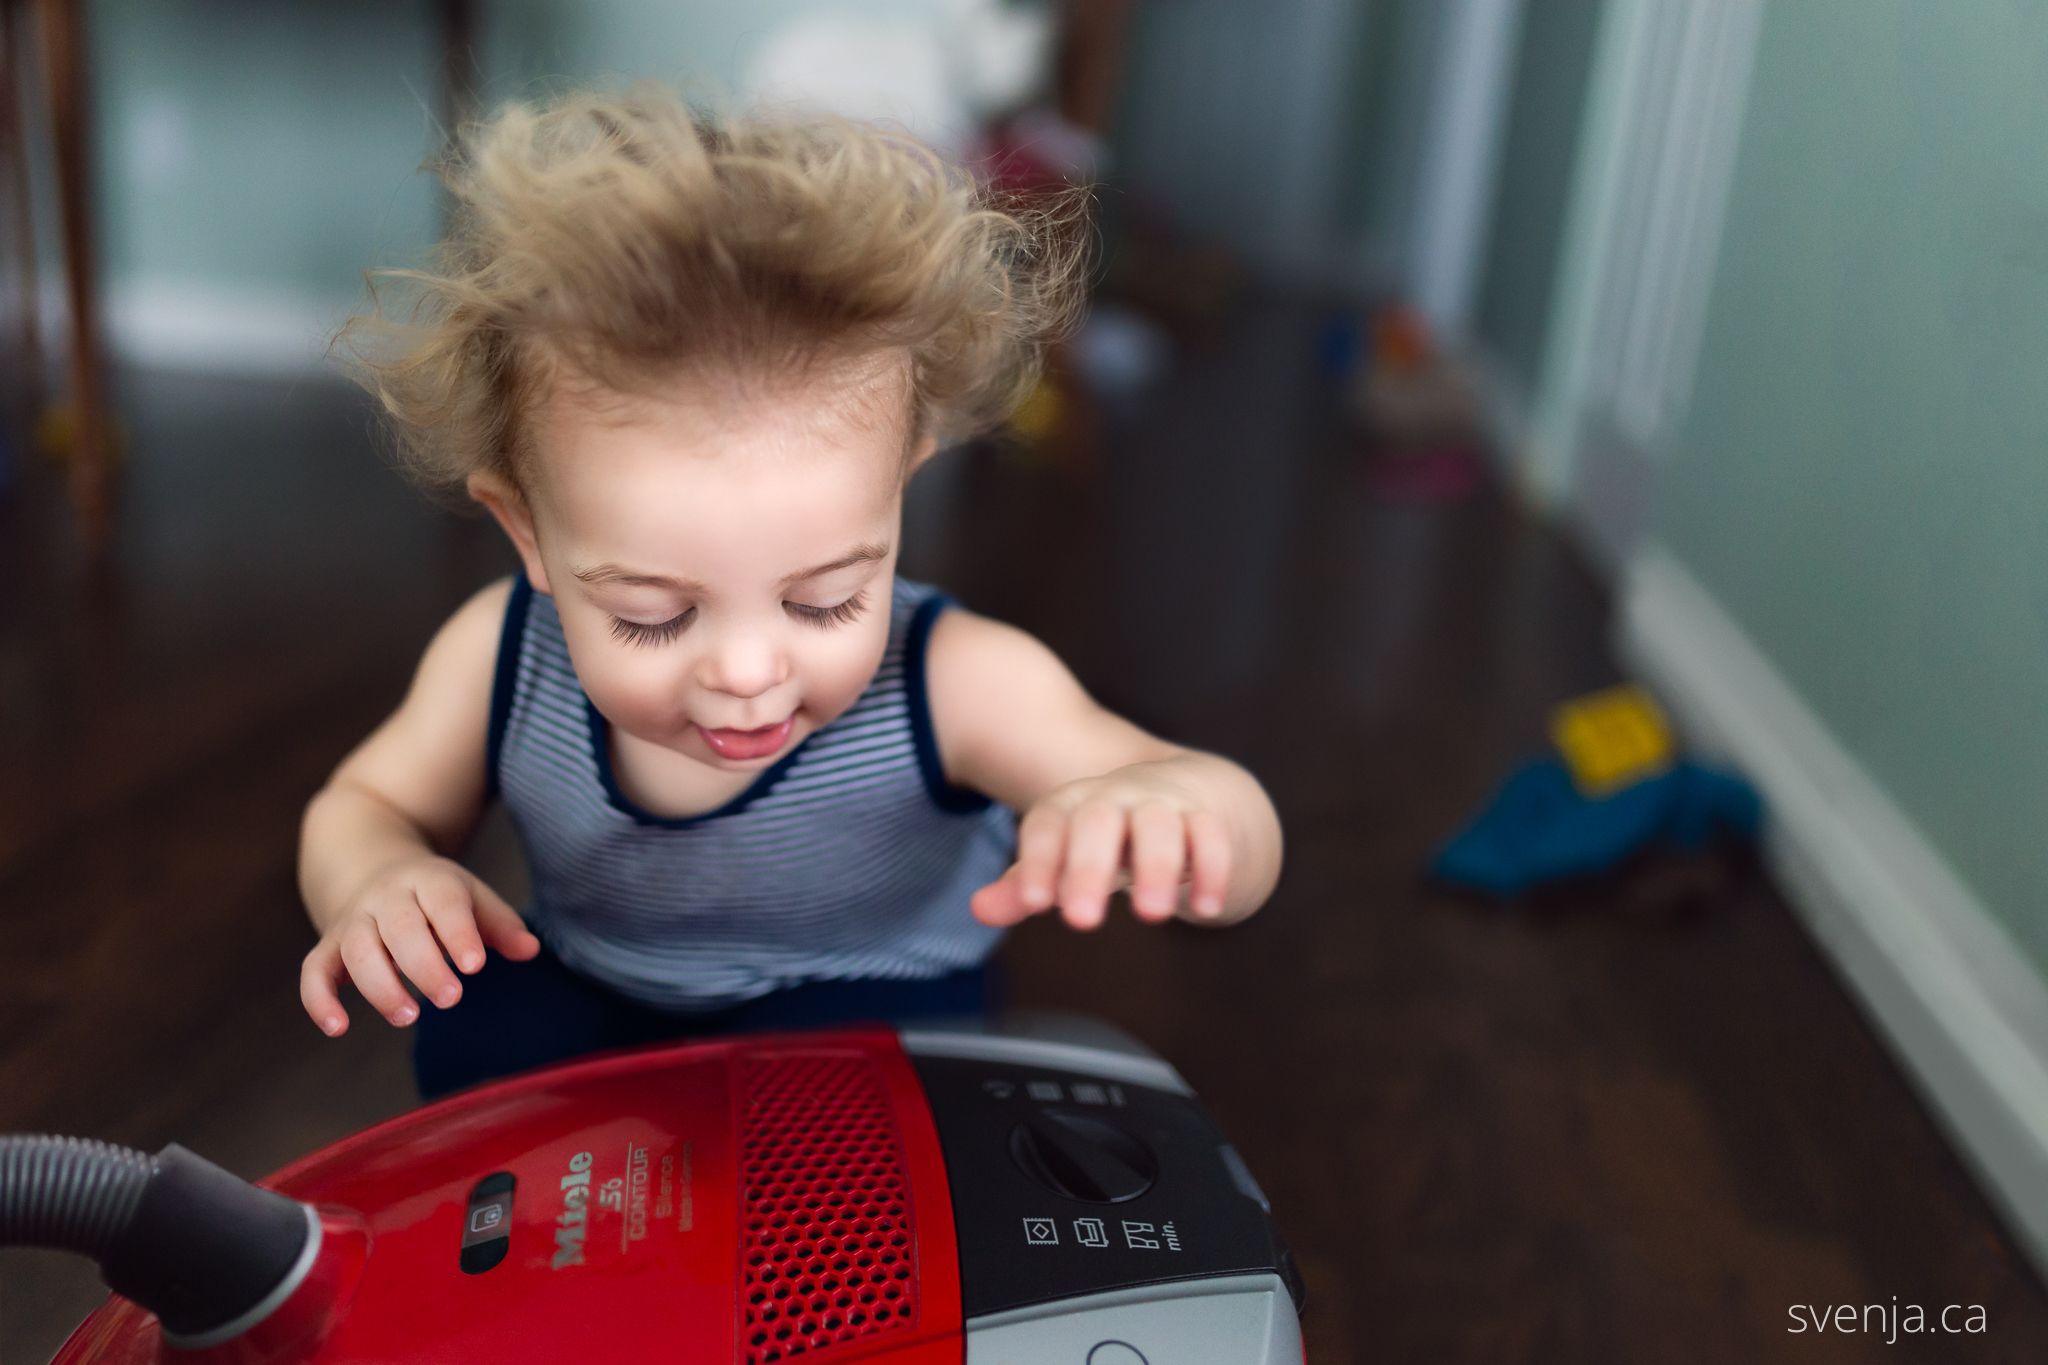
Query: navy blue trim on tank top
x=601, y=750
x=957, y=800
x=841, y=866
x=504, y=677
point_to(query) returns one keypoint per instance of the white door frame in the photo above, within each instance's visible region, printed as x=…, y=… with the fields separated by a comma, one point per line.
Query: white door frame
x=1663, y=119
x=1471, y=51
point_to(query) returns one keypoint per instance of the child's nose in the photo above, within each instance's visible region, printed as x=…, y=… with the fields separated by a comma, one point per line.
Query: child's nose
x=743, y=666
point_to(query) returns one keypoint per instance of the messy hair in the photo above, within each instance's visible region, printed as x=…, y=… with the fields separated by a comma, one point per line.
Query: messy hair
x=624, y=238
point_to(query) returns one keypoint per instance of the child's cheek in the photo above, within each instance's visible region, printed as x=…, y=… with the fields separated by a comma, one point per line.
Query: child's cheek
x=840, y=670
x=638, y=690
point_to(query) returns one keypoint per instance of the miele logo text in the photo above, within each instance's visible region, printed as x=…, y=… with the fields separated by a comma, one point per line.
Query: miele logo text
x=573, y=1221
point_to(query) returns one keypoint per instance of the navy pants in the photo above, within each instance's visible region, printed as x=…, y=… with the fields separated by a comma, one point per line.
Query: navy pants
x=517, y=1015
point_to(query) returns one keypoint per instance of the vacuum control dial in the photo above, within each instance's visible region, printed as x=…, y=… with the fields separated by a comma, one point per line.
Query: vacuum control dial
x=1083, y=1157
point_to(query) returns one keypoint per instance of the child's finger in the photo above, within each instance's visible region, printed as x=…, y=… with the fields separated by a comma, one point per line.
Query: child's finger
x=1000, y=903
x=1159, y=847
x=1095, y=846
x=1209, y=852
x=500, y=924
x=413, y=947
x=369, y=966
x=449, y=907
x=1041, y=842
x=319, y=978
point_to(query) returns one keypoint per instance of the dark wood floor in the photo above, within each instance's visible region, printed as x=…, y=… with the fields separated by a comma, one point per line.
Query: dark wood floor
x=1635, y=1122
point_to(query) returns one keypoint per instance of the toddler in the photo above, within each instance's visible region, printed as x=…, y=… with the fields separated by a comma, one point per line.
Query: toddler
x=688, y=364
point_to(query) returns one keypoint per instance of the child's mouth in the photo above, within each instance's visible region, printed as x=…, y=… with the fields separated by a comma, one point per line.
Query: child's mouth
x=749, y=743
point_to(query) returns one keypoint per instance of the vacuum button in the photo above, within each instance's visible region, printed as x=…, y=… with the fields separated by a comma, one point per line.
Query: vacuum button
x=487, y=1223
x=1116, y=1353
x=1083, y=1157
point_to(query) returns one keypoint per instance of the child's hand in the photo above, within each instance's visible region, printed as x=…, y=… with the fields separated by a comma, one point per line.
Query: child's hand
x=1134, y=827
x=408, y=914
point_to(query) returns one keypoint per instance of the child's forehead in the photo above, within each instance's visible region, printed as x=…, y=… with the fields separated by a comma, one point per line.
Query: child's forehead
x=823, y=449
x=861, y=395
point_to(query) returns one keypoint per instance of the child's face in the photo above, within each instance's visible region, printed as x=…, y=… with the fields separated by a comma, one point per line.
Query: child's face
x=721, y=560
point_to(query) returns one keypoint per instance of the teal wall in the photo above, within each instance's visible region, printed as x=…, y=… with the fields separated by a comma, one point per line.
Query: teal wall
x=1379, y=200
x=1369, y=118
x=695, y=42
x=1546, y=110
x=259, y=148
x=1862, y=477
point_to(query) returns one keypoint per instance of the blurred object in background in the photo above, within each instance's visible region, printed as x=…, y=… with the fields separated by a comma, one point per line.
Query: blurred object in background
x=1541, y=830
x=1613, y=738
x=89, y=196
x=1415, y=410
x=22, y=390
x=1408, y=392
x=75, y=426
x=1757, y=296
x=1022, y=91
x=1120, y=353
x=941, y=75
x=1616, y=789
x=1054, y=152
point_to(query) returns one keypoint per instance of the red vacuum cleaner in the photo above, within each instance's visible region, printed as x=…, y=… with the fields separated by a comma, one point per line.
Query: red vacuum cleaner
x=1038, y=1191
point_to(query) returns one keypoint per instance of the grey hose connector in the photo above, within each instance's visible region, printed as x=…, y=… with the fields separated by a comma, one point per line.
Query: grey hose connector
x=195, y=1245
x=69, y=1194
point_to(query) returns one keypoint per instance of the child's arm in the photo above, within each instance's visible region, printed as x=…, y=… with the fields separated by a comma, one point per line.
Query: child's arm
x=380, y=895
x=1100, y=798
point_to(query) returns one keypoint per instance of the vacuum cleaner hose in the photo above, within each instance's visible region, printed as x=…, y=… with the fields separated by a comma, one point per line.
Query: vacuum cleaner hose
x=69, y=1194
x=199, y=1247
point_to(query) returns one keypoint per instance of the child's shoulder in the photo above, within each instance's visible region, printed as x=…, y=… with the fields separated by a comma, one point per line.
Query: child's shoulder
x=476, y=624
x=466, y=645
x=985, y=678
x=1011, y=718
x=427, y=759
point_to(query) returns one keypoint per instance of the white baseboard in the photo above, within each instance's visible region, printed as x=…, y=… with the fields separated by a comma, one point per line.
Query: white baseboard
x=1508, y=416
x=209, y=328
x=1964, y=1009
x=1506, y=421
x=1503, y=406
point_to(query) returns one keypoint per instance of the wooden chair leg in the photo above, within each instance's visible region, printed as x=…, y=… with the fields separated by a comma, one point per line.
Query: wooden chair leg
x=91, y=472
x=14, y=148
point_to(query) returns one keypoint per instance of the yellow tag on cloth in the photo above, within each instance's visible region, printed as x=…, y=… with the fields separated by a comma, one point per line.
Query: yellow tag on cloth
x=1613, y=738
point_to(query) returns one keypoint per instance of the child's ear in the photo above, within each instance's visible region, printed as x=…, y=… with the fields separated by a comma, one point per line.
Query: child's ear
x=512, y=512
x=926, y=446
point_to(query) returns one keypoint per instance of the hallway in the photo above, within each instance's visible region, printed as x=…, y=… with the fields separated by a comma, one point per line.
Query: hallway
x=1636, y=1122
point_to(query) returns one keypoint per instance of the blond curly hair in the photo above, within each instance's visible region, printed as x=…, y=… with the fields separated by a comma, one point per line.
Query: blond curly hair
x=630, y=238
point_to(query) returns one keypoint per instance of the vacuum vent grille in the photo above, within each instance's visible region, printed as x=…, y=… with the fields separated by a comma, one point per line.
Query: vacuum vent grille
x=826, y=1247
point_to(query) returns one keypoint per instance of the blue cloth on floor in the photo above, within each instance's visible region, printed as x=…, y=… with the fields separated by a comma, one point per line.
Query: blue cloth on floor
x=1540, y=828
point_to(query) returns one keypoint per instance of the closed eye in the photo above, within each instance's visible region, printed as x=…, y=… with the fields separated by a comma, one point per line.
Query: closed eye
x=824, y=618
x=660, y=633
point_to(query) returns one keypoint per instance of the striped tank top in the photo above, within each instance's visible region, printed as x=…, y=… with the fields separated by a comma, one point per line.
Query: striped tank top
x=851, y=857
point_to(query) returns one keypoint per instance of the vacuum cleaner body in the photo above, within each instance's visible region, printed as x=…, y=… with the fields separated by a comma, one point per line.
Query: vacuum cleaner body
x=870, y=1195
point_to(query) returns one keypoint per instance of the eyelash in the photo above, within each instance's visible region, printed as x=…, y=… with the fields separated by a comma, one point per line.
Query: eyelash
x=639, y=633
x=822, y=618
